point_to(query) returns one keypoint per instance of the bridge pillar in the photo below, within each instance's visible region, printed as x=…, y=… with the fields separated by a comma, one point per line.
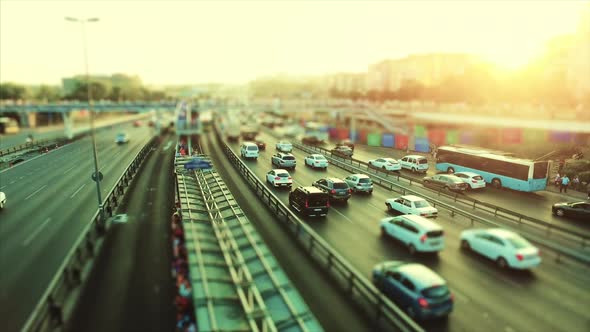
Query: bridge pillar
x=68, y=124
x=28, y=119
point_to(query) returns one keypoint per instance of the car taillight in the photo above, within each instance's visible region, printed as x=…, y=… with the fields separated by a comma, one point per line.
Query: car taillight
x=473, y=181
x=423, y=238
x=520, y=257
x=277, y=178
x=422, y=302
x=350, y=191
x=423, y=214
x=306, y=204
x=333, y=191
x=290, y=178
x=328, y=204
x=452, y=297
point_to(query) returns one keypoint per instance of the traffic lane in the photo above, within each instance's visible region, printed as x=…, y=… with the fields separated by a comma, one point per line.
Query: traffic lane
x=366, y=256
x=536, y=204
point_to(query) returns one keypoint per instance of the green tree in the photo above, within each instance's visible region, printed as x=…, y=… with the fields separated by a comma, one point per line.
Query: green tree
x=99, y=91
x=13, y=91
x=48, y=93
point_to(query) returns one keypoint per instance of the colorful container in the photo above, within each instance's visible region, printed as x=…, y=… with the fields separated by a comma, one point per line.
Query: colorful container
x=363, y=136
x=420, y=131
x=354, y=136
x=437, y=136
x=342, y=133
x=560, y=137
x=511, y=136
x=422, y=144
x=401, y=142
x=536, y=136
x=452, y=137
x=387, y=140
x=467, y=137
x=333, y=132
x=374, y=139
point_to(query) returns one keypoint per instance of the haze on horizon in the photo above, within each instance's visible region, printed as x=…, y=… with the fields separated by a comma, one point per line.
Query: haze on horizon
x=179, y=42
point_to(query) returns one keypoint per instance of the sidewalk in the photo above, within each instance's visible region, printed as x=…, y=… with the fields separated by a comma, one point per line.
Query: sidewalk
x=571, y=195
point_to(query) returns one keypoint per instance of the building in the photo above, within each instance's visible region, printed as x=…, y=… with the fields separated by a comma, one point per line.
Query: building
x=347, y=82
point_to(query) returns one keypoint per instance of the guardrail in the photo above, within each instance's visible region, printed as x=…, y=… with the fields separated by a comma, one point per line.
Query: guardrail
x=550, y=229
x=61, y=295
x=385, y=314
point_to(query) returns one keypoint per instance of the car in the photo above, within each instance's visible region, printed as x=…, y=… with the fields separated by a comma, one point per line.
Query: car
x=279, y=178
x=414, y=163
x=249, y=150
x=474, y=180
x=284, y=146
x=360, y=183
x=411, y=204
x=386, y=164
x=336, y=188
x=136, y=123
x=346, y=142
x=343, y=151
x=198, y=163
x=311, y=140
x=417, y=233
x=261, y=145
x=505, y=247
x=576, y=210
x=283, y=160
x=309, y=201
x=415, y=288
x=446, y=181
x=122, y=138
x=2, y=200
x=316, y=160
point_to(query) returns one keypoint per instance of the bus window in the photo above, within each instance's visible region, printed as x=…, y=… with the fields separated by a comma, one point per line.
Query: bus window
x=540, y=170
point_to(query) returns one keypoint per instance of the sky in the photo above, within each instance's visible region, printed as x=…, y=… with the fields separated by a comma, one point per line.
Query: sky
x=179, y=42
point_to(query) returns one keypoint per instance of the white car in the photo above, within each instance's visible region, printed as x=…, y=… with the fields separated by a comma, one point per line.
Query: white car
x=410, y=204
x=360, y=182
x=279, y=178
x=249, y=150
x=506, y=248
x=414, y=163
x=417, y=233
x=2, y=200
x=388, y=164
x=316, y=161
x=474, y=180
x=284, y=146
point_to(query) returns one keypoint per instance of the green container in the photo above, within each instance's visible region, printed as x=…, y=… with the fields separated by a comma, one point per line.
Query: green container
x=534, y=136
x=374, y=139
x=452, y=137
x=420, y=131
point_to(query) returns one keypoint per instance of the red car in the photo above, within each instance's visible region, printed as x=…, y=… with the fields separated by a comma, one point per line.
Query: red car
x=137, y=123
x=261, y=145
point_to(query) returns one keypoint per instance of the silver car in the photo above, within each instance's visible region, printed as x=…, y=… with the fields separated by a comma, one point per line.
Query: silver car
x=360, y=183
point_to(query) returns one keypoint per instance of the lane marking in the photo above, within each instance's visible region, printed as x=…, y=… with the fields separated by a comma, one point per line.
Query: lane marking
x=3, y=187
x=69, y=169
x=167, y=146
x=74, y=194
x=340, y=213
x=36, y=191
x=13, y=181
x=30, y=238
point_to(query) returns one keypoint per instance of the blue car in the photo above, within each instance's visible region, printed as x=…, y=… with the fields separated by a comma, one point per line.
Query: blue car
x=416, y=289
x=198, y=163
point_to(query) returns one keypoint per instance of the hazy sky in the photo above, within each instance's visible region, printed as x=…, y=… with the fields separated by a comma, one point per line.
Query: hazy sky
x=167, y=42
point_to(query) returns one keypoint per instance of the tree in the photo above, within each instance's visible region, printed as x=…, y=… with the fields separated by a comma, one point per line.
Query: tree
x=12, y=91
x=98, y=89
x=48, y=93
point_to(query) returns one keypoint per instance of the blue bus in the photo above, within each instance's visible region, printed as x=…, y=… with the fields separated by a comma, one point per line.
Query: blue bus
x=501, y=170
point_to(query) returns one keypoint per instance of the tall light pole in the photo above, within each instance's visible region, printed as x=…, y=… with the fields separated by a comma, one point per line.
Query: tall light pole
x=96, y=177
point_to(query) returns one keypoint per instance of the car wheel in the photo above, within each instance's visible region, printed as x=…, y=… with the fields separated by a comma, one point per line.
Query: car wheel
x=465, y=245
x=413, y=170
x=560, y=212
x=383, y=232
x=450, y=170
x=389, y=208
x=383, y=168
x=496, y=183
x=426, y=182
x=412, y=249
x=502, y=263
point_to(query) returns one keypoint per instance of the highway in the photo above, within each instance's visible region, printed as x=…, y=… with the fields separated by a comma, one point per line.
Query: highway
x=553, y=297
x=50, y=199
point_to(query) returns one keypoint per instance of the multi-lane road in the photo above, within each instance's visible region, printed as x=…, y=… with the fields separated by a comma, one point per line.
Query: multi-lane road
x=50, y=199
x=553, y=297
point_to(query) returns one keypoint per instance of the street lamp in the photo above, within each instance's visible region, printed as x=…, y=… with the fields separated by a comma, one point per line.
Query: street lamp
x=91, y=113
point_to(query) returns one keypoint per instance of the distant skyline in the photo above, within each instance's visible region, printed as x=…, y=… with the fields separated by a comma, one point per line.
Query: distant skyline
x=183, y=42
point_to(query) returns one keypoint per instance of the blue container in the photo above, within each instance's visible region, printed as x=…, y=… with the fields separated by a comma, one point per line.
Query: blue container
x=354, y=135
x=387, y=140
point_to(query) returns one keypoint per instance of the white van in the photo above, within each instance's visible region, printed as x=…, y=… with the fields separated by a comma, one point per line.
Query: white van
x=417, y=233
x=414, y=163
x=249, y=150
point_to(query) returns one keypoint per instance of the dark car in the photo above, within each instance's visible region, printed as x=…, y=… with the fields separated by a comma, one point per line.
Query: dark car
x=347, y=143
x=261, y=145
x=416, y=289
x=337, y=189
x=311, y=140
x=309, y=201
x=446, y=181
x=197, y=163
x=343, y=151
x=577, y=210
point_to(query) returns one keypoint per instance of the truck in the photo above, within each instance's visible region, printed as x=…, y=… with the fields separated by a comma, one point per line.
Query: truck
x=232, y=129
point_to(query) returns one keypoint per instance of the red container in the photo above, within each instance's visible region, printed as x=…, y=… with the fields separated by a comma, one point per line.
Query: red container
x=401, y=142
x=511, y=136
x=363, y=133
x=437, y=136
x=342, y=133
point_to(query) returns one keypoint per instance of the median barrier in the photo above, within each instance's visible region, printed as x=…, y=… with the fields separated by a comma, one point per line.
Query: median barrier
x=60, y=297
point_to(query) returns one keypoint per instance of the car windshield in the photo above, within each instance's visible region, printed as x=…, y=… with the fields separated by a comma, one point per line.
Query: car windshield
x=422, y=161
x=320, y=158
x=477, y=177
x=365, y=180
x=340, y=185
x=391, y=161
x=288, y=158
x=518, y=242
x=421, y=204
x=283, y=175
x=436, y=292
x=252, y=148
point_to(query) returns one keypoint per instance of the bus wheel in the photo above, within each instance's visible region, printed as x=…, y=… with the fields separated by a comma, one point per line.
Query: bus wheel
x=450, y=170
x=496, y=183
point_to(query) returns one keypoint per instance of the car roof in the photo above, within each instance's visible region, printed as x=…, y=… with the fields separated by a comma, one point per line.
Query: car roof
x=414, y=156
x=426, y=224
x=420, y=275
x=468, y=173
x=501, y=233
x=279, y=170
x=361, y=176
x=450, y=176
x=317, y=155
x=312, y=190
x=412, y=198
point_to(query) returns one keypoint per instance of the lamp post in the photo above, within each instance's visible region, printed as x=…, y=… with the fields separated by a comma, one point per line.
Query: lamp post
x=96, y=177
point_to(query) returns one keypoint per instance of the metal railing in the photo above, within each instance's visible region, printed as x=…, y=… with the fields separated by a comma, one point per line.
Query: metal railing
x=386, y=316
x=60, y=297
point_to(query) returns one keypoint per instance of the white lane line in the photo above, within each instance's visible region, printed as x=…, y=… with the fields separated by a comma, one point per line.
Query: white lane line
x=13, y=181
x=103, y=166
x=69, y=169
x=3, y=187
x=22, y=177
x=74, y=194
x=167, y=146
x=340, y=213
x=30, y=238
x=36, y=191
